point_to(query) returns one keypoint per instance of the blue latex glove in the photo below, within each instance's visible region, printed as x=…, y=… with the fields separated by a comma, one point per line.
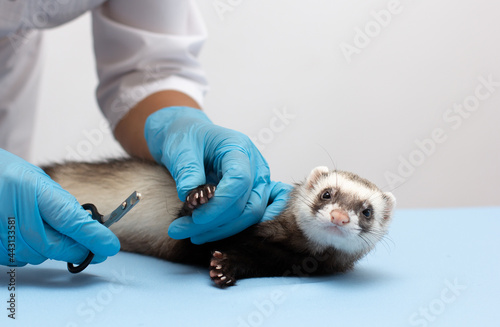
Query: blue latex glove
x=49, y=222
x=196, y=151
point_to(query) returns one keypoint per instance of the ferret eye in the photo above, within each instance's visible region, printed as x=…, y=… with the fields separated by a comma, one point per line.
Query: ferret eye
x=326, y=195
x=367, y=213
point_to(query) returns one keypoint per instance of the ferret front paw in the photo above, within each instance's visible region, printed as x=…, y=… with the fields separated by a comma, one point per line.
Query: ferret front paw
x=199, y=196
x=221, y=270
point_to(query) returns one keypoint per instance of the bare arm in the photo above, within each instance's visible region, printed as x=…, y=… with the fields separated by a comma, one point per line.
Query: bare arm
x=130, y=130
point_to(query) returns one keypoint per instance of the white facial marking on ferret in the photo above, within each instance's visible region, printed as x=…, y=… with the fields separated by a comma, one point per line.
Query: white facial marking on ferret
x=347, y=194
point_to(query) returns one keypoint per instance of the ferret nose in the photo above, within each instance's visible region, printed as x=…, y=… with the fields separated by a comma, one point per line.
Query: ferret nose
x=340, y=217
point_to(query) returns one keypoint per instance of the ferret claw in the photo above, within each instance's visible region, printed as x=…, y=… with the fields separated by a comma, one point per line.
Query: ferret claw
x=221, y=270
x=199, y=196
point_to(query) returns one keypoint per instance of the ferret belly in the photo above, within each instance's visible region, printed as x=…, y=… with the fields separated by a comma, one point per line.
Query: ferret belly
x=143, y=229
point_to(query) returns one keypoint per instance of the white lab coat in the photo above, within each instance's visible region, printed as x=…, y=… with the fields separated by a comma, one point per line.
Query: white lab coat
x=141, y=47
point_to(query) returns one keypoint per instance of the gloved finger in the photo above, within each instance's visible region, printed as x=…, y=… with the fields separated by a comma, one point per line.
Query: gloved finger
x=27, y=228
x=188, y=172
x=5, y=258
x=279, y=196
x=63, y=213
x=5, y=261
x=95, y=260
x=58, y=247
x=47, y=243
x=233, y=191
x=185, y=227
x=251, y=215
x=173, y=139
x=98, y=259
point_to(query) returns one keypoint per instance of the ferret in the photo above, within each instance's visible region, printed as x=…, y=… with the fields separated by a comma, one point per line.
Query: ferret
x=331, y=220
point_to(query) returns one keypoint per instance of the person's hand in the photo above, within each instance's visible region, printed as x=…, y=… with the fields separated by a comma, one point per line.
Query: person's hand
x=196, y=152
x=39, y=220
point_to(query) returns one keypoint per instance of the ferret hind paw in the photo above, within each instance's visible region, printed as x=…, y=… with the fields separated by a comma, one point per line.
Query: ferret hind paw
x=220, y=270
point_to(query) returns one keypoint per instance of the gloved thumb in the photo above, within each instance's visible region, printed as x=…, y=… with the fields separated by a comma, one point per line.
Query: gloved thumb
x=64, y=214
x=278, y=198
x=188, y=173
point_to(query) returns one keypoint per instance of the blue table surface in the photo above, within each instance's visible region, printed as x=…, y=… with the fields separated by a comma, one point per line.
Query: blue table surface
x=437, y=267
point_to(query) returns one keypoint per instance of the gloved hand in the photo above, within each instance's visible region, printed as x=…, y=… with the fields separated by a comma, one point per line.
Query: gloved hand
x=196, y=152
x=47, y=221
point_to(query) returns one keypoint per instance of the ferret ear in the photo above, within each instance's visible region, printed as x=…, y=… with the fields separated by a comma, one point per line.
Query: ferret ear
x=315, y=174
x=390, y=201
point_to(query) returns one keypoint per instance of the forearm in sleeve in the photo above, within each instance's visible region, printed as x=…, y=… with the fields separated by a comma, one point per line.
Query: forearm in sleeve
x=146, y=54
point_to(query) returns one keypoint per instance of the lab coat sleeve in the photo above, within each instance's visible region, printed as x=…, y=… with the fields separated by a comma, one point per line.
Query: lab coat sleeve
x=146, y=46
x=21, y=63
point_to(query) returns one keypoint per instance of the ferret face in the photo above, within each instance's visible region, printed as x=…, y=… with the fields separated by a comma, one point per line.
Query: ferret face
x=342, y=210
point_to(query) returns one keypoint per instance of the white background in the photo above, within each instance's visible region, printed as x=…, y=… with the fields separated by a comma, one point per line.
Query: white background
x=366, y=114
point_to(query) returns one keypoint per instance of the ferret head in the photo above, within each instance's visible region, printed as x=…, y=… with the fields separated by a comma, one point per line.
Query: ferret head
x=342, y=210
